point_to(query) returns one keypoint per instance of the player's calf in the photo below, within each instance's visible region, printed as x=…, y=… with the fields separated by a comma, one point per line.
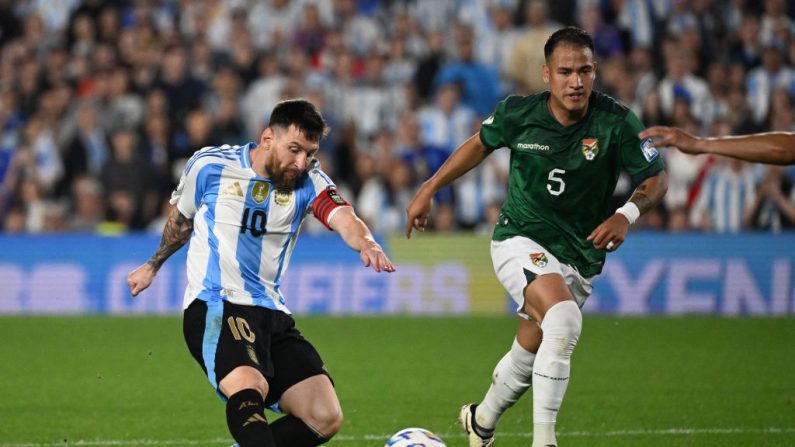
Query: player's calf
x=562, y=325
x=245, y=416
x=290, y=431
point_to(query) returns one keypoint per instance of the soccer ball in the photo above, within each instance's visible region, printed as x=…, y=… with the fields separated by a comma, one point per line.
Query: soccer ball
x=415, y=437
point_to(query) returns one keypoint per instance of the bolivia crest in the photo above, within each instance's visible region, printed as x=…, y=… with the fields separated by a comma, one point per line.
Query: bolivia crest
x=538, y=259
x=590, y=147
x=260, y=191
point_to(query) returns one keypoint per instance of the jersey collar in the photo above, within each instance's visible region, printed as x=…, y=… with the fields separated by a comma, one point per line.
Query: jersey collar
x=245, y=157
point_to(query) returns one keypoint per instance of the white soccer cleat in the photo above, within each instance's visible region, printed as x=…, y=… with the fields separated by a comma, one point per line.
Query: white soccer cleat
x=467, y=420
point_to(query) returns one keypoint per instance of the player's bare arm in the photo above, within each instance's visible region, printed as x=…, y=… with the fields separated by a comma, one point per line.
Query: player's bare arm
x=176, y=233
x=468, y=155
x=611, y=233
x=358, y=237
x=771, y=147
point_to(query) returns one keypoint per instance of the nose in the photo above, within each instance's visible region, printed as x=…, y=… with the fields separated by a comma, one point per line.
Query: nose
x=301, y=161
x=577, y=80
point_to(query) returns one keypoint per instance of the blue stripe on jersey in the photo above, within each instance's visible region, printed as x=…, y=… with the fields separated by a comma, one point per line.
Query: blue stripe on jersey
x=303, y=197
x=212, y=277
x=213, y=323
x=228, y=153
x=249, y=246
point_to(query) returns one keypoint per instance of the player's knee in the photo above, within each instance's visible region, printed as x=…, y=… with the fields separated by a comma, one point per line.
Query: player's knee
x=563, y=321
x=241, y=378
x=326, y=419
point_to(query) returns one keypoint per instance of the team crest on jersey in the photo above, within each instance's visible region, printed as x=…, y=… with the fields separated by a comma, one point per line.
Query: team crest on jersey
x=282, y=196
x=539, y=260
x=260, y=191
x=590, y=147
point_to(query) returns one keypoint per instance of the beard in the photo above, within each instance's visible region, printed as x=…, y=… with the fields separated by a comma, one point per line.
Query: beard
x=283, y=179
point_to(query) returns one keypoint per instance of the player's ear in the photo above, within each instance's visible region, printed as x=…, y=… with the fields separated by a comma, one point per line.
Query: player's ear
x=266, y=138
x=545, y=73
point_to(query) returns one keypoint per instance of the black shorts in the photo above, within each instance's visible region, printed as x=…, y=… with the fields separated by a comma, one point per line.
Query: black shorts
x=222, y=336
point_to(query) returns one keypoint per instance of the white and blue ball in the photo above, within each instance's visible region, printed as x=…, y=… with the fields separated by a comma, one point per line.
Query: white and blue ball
x=415, y=437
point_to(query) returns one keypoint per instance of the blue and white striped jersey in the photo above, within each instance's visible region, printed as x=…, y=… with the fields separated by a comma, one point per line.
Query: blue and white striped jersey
x=244, y=227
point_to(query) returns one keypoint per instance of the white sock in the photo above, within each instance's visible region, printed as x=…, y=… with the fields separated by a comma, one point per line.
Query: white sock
x=511, y=378
x=561, y=327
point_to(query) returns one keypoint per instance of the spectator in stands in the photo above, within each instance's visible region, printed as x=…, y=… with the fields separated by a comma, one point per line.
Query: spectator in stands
x=479, y=83
x=774, y=206
x=128, y=180
x=527, y=54
x=725, y=202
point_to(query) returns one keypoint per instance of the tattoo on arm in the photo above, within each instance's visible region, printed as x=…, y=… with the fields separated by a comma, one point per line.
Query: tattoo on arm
x=642, y=201
x=176, y=234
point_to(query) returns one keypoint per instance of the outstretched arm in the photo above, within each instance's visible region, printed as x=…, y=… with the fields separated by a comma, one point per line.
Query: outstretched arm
x=357, y=236
x=468, y=155
x=175, y=234
x=771, y=147
x=610, y=234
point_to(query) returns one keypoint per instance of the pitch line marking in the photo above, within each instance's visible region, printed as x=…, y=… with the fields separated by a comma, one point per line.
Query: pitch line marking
x=370, y=437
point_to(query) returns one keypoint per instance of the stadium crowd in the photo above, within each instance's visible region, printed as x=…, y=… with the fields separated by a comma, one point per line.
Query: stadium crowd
x=102, y=102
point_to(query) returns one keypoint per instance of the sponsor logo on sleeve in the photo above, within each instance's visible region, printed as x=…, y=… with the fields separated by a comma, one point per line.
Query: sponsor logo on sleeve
x=488, y=120
x=649, y=151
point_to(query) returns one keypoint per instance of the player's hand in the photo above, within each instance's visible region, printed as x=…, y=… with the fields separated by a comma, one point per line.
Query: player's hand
x=373, y=255
x=417, y=213
x=140, y=278
x=672, y=136
x=610, y=234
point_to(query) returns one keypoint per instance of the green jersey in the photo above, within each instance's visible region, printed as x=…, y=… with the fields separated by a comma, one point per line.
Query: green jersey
x=561, y=177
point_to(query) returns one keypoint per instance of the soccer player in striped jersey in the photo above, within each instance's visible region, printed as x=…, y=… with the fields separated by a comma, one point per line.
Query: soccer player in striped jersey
x=241, y=207
x=568, y=146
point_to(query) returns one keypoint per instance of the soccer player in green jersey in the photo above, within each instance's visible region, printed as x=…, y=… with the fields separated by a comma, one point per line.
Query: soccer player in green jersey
x=568, y=146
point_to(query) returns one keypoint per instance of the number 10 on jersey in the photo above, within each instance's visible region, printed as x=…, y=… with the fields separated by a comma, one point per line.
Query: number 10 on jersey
x=253, y=221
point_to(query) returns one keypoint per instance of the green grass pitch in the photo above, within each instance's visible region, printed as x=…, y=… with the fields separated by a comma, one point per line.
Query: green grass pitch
x=130, y=381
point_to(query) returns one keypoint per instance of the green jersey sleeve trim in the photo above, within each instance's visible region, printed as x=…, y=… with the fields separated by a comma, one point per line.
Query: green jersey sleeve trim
x=650, y=171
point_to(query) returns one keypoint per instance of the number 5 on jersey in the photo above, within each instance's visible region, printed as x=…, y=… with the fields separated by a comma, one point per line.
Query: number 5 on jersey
x=559, y=184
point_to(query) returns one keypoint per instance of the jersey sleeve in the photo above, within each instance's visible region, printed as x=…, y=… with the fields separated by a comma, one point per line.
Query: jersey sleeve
x=327, y=199
x=492, y=129
x=189, y=192
x=639, y=158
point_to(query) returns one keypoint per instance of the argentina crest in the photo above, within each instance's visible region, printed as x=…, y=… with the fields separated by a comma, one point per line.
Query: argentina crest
x=590, y=147
x=260, y=191
x=282, y=196
x=539, y=260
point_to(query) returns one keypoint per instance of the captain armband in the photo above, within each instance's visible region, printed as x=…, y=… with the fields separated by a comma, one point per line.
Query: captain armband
x=326, y=203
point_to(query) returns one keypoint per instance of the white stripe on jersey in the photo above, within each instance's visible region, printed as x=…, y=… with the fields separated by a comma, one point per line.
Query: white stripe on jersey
x=244, y=227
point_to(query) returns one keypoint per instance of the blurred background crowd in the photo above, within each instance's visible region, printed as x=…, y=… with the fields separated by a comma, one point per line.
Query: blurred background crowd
x=102, y=102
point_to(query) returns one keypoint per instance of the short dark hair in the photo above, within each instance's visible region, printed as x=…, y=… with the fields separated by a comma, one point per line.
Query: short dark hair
x=572, y=35
x=301, y=113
